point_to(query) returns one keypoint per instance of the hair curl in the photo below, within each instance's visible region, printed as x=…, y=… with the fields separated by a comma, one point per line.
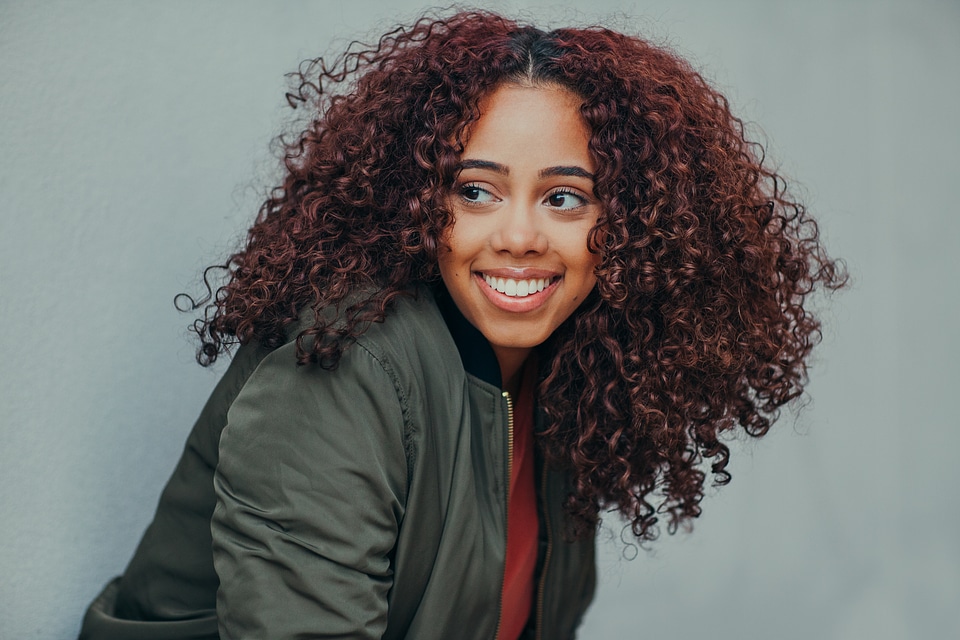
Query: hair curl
x=697, y=323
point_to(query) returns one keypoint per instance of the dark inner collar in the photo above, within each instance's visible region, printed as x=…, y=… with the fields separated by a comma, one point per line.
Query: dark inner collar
x=475, y=352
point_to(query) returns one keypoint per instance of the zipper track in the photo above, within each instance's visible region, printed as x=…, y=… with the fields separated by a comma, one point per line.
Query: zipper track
x=506, y=502
x=546, y=556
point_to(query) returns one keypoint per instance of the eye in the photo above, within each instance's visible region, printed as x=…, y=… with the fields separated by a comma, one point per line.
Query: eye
x=475, y=194
x=565, y=200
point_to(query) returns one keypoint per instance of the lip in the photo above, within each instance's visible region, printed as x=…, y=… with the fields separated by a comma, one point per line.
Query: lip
x=513, y=304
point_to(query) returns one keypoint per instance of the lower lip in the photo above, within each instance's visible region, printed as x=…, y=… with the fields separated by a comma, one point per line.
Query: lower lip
x=515, y=304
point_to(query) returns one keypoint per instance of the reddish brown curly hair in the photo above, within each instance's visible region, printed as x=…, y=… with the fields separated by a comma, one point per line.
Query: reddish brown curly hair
x=698, y=322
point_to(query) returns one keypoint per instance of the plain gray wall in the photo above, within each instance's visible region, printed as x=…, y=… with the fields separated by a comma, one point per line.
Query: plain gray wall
x=134, y=140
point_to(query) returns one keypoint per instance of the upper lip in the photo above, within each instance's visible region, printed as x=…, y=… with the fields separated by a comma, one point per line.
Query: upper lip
x=518, y=273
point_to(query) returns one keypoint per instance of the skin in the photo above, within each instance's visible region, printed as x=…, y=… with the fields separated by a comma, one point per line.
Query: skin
x=523, y=206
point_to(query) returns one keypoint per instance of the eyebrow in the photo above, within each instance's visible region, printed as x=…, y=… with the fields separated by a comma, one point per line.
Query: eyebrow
x=496, y=167
x=574, y=171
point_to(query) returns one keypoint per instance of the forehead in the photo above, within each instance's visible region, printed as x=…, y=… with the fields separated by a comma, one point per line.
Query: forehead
x=530, y=124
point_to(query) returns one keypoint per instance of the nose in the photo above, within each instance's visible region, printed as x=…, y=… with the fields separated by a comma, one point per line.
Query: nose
x=519, y=231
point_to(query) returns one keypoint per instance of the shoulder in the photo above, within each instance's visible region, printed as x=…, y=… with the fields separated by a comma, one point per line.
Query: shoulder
x=417, y=353
x=409, y=354
x=412, y=336
x=387, y=384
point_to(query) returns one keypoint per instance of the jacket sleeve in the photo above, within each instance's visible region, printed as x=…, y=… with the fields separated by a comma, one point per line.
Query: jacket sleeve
x=311, y=486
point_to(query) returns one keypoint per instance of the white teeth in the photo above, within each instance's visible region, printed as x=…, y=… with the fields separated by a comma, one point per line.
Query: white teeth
x=516, y=288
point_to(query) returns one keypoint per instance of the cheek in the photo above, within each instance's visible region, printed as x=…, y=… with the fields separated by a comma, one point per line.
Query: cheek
x=445, y=244
x=586, y=274
x=457, y=247
x=445, y=263
x=451, y=263
x=579, y=256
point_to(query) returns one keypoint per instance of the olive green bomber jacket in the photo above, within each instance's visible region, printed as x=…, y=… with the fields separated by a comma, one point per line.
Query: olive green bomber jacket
x=366, y=502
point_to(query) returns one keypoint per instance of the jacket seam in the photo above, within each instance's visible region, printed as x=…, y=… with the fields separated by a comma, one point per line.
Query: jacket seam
x=408, y=446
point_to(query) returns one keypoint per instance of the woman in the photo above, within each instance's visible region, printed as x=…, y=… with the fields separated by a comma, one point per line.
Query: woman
x=510, y=278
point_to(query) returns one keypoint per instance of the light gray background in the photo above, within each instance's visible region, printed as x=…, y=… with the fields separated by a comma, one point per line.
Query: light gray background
x=133, y=150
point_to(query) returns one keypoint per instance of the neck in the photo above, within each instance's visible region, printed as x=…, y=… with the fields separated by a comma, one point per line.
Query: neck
x=511, y=361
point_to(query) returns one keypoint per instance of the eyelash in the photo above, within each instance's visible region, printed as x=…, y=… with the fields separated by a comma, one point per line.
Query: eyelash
x=568, y=192
x=471, y=185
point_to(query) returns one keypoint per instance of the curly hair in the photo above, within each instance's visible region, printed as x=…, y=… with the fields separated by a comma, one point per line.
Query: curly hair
x=697, y=324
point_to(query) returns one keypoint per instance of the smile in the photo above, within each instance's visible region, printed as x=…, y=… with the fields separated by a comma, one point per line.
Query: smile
x=517, y=288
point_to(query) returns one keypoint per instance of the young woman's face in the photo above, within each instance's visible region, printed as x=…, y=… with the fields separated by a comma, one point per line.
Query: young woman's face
x=516, y=260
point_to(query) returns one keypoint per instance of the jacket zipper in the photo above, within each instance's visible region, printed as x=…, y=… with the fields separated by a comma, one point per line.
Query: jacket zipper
x=506, y=511
x=546, y=556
